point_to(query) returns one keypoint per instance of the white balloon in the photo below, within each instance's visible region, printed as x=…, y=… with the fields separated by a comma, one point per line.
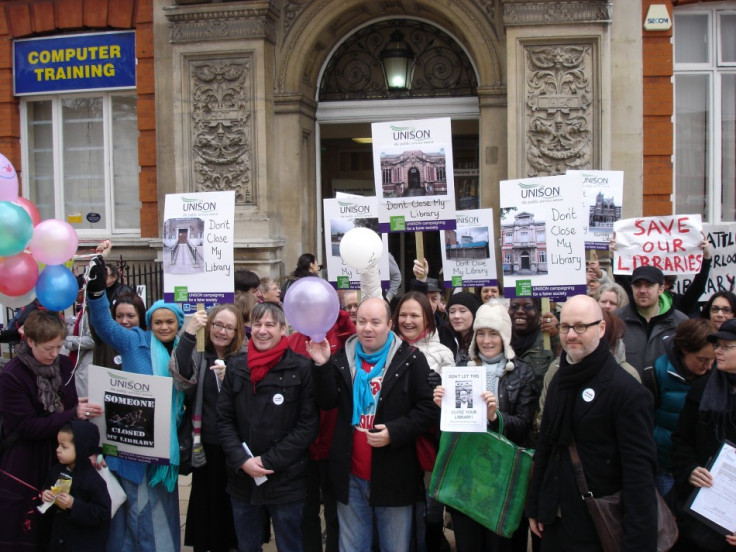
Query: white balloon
x=17, y=302
x=361, y=248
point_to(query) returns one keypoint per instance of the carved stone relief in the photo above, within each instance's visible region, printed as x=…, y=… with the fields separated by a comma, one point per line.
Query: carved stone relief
x=221, y=126
x=559, y=114
x=544, y=12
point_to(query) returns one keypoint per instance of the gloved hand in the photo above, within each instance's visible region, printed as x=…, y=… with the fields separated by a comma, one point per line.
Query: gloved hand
x=97, y=278
x=434, y=379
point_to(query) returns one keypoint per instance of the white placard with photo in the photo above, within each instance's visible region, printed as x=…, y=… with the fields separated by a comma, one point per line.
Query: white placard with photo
x=543, y=222
x=412, y=167
x=463, y=408
x=469, y=253
x=198, y=260
x=604, y=196
x=341, y=215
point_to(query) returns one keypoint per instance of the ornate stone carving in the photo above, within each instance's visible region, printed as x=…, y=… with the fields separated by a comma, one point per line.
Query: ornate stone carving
x=441, y=67
x=559, y=108
x=221, y=126
x=291, y=11
x=221, y=22
x=543, y=12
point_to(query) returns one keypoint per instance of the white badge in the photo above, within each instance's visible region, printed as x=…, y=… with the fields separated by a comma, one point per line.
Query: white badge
x=278, y=399
x=117, y=360
x=588, y=394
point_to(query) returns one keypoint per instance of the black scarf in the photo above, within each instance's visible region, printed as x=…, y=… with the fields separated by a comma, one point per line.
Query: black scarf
x=521, y=343
x=48, y=378
x=569, y=379
x=718, y=404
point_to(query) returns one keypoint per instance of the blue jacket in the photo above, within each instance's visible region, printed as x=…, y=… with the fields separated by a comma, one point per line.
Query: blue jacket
x=134, y=345
x=672, y=389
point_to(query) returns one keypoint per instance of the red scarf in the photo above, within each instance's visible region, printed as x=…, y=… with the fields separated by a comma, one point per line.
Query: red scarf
x=260, y=362
x=422, y=335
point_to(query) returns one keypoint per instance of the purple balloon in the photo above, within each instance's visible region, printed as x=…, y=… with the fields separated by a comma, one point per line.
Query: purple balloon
x=56, y=288
x=311, y=306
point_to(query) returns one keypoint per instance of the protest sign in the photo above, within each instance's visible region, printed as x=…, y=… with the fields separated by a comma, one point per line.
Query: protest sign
x=136, y=420
x=412, y=166
x=603, y=192
x=198, y=249
x=463, y=408
x=469, y=255
x=722, y=273
x=543, y=224
x=342, y=214
x=669, y=243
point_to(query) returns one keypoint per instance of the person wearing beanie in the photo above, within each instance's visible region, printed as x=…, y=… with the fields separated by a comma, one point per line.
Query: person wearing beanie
x=149, y=519
x=461, y=309
x=511, y=395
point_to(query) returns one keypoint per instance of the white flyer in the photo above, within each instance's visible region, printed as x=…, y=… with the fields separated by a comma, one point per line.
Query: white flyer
x=463, y=409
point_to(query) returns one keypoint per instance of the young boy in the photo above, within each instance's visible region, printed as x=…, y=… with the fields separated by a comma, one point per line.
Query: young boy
x=81, y=517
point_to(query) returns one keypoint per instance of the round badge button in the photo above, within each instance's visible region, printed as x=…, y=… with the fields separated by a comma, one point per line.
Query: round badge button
x=588, y=394
x=117, y=360
x=278, y=399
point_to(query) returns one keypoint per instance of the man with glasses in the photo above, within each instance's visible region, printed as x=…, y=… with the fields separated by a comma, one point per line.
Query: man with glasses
x=650, y=319
x=593, y=403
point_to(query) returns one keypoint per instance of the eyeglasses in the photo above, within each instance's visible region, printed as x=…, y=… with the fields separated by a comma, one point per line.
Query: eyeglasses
x=580, y=329
x=221, y=327
x=725, y=310
x=717, y=346
x=527, y=307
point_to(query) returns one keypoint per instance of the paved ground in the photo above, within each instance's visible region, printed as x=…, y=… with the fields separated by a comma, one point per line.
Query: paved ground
x=185, y=486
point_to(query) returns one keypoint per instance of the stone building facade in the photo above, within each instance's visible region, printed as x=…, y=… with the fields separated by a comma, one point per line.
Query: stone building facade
x=269, y=98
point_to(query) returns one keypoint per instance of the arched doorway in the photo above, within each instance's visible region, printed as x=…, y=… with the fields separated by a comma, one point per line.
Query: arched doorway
x=353, y=93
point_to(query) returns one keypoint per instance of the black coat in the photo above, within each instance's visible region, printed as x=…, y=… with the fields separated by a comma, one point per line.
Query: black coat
x=85, y=526
x=695, y=442
x=278, y=421
x=518, y=399
x=614, y=436
x=404, y=405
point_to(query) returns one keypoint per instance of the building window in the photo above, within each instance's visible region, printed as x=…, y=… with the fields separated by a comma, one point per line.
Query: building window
x=81, y=160
x=542, y=255
x=705, y=112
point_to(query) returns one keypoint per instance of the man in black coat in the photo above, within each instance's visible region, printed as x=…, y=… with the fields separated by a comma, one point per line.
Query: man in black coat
x=384, y=402
x=609, y=415
x=268, y=406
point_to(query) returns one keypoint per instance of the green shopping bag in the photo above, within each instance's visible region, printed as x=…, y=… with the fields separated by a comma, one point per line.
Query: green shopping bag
x=485, y=476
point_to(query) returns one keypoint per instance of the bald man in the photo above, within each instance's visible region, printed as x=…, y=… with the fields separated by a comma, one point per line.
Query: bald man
x=379, y=385
x=608, y=414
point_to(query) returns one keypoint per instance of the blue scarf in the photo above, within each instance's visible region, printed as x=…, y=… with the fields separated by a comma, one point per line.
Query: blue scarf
x=167, y=474
x=362, y=396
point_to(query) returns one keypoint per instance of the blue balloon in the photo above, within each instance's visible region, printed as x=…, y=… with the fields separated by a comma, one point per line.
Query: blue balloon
x=16, y=229
x=57, y=288
x=311, y=306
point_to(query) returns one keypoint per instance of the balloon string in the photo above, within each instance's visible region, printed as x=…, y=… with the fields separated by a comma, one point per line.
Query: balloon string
x=11, y=476
x=87, y=279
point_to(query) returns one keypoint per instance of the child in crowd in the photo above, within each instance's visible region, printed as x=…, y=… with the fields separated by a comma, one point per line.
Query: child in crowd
x=81, y=517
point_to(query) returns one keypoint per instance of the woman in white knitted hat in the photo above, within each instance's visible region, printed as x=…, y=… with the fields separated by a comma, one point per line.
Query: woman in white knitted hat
x=511, y=394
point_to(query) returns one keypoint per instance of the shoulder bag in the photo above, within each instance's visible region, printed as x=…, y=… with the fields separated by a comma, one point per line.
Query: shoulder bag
x=607, y=513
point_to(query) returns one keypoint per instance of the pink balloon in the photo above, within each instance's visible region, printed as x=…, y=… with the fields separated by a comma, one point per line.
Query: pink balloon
x=30, y=208
x=18, y=274
x=54, y=242
x=311, y=306
x=8, y=180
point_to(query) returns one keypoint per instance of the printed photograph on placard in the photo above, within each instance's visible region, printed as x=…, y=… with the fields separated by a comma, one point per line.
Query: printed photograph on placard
x=183, y=251
x=416, y=172
x=468, y=255
x=603, y=192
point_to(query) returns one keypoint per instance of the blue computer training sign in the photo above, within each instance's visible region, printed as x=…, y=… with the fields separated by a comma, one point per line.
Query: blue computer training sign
x=73, y=63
